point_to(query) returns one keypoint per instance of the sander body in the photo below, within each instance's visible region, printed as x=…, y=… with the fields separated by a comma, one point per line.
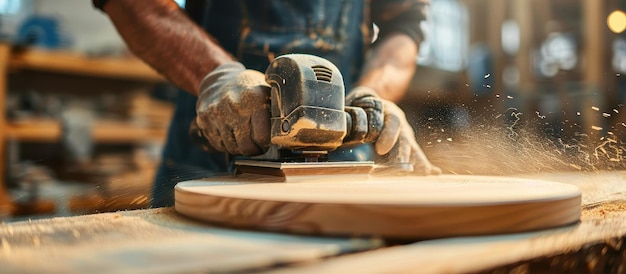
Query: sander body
x=309, y=119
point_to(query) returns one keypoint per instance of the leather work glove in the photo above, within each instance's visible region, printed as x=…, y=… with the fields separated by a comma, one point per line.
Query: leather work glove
x=396, y=144
x=233, y=112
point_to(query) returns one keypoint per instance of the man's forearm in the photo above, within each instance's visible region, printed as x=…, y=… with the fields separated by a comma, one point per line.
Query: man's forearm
x=164, y=37
x=390, y=67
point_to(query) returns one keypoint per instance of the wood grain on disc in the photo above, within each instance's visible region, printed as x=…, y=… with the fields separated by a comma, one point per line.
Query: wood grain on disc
x=396, y=207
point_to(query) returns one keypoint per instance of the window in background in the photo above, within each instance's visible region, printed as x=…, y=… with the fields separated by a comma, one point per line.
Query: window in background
x=10, y=6
x=181, y=3
x=558, y=52
x=447, y=36
x=619, y=55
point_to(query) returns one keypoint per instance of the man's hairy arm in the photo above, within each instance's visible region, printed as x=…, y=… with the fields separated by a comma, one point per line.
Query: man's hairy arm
x=162, y=35
x=390, y=67
x=391, y=61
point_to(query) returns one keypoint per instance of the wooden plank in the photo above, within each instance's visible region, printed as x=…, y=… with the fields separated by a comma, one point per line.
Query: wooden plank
x=595, y=65
x=495, y=19
x=34, y=130
x=5, y=200
x=407, y=207
x=524, y=16
x=123, y=132
x=595, y=245
x=47, y=130
x=73, y=63
x=154, y=241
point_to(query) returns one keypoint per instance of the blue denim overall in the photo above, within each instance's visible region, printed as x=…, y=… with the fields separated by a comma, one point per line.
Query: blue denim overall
x=255, y=31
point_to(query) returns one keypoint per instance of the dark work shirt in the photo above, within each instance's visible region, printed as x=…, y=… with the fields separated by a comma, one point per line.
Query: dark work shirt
x=256, y=31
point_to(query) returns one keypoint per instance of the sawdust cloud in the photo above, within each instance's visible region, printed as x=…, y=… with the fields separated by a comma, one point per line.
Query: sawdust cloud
x=517, y=145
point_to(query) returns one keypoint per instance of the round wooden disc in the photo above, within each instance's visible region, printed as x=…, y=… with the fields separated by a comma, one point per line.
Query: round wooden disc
x=395, y=207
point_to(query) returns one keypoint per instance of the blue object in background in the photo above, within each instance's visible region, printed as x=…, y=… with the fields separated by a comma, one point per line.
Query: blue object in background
x=41, y=31
x=481, y=69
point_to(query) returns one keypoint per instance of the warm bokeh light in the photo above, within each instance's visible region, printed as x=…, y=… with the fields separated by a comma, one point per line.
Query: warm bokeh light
x=616, y=21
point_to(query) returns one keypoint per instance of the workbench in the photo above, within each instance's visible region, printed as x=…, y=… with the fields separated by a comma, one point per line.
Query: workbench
x=161, y=241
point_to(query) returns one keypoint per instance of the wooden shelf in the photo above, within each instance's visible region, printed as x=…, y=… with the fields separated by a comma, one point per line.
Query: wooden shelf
x=129, y=70
x=73, y=63
x=42, y=130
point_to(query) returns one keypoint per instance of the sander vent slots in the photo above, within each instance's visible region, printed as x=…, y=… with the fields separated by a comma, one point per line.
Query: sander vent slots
x=322, y=73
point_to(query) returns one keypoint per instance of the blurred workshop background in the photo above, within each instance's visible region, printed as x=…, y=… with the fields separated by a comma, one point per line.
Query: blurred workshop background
x=84, y=121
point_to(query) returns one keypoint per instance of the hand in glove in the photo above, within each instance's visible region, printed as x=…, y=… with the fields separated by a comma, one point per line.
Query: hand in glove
x=233, y=112
x=396, y=143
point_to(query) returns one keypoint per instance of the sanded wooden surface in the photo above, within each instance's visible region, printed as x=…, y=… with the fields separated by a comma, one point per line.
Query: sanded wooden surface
x=594, y=245
x=153, y=241
x=415, y=207
x=159, y=240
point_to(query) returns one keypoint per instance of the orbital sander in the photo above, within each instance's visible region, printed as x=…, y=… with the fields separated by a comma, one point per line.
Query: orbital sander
x=309, y=119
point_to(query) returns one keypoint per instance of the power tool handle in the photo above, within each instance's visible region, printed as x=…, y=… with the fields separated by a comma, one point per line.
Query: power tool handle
x=365, y=121
x=362, y=127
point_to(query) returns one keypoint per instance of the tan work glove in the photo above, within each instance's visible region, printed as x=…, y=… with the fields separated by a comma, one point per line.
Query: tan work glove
x=233, y=112
x=396, y=144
